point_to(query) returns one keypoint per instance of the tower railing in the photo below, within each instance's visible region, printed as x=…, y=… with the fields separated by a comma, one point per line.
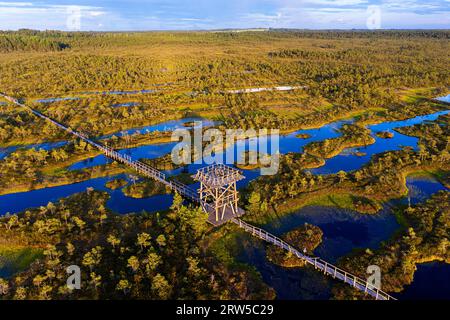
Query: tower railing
x=184, y=190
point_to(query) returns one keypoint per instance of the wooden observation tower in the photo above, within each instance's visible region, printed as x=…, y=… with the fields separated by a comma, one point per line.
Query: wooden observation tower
x=218, y=193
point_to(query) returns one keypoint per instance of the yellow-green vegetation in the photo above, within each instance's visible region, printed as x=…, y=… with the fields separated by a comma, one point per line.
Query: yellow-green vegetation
x=352, y=136
x=138, y=139
x=385, y=135
x=31, y=169
x=184, y=177
x=401, y=111
x=180, y=84
x=116, y=184
x=413, y=95
x=307, y=237
x=14, y=259
x=189, y=124
x=344, y=201
x=251, y=160
x=359, y=154
x=382, y=179
x=443, y=176
x=374, y=76
x=305, y=160
x=342, y=73
x=62, y=177
x=162, y=163
x=144, y=256
x=223, y=243
x=303, y=136
x=144, y=189
x=425, y=239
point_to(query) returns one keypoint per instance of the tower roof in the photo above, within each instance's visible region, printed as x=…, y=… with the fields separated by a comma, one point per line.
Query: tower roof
x=218, y=175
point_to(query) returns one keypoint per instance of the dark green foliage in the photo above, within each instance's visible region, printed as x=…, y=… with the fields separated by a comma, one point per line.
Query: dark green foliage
x=11, y=42
x=380, y=180
x=121, y=257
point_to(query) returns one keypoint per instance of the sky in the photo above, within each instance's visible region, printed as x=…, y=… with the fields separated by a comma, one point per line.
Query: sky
x=142, y=15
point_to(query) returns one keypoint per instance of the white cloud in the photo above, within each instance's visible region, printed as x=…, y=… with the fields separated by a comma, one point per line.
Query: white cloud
x=260, y=17
x=195, y=19
x=15, y=4
x=17, y=15
x=205, y=14
x=337, y=3
x=410, y=5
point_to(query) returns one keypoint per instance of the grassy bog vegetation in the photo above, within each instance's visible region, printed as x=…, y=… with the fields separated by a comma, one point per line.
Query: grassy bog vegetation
x=341, y=72
x=126, y=257
x=364, y=190
x=307, y=237
x=108, y=82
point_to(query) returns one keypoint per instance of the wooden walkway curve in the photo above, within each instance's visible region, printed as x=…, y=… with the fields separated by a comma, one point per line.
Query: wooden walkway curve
x=319, y=264
x=192, y=195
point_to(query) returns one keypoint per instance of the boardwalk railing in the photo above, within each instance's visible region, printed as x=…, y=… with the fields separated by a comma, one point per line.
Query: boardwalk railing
x=191, y=194
x=319, y=264
x=153, y=173
x=184, y=190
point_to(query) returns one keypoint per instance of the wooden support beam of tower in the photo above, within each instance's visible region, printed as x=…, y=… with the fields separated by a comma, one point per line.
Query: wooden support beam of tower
x=218, y=192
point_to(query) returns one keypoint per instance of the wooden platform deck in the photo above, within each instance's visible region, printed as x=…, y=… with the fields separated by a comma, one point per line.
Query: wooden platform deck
x=319, y=264
x=227, y=217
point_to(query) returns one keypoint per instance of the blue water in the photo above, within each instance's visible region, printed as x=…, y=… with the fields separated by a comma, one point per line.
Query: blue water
x=444, y=99
x=4, y=152
x=289, y=284
x=149, y=152
x=164, y=126
x=126, y=104
x=422, y=188
x=160, y=127
x=287, y=143
x=17, y=202
x=343, y=231
x=348, y=160
x=431, y=282
x=50, y=100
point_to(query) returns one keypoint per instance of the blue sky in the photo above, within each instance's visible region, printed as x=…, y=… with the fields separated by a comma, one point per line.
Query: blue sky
x=115, y=15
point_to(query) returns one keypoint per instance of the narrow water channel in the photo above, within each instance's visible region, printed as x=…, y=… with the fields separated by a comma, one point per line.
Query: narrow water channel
x=344, y=230
x=289, y=143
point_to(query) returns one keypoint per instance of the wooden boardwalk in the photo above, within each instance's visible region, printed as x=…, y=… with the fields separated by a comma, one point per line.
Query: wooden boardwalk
x=319, y=264
x=192, y=195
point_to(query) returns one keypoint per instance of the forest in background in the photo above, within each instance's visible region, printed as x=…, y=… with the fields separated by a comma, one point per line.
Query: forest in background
x=376, y=76
x=189, y=73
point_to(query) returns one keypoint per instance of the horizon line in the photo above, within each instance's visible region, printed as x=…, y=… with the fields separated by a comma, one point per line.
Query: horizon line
x=256, y=29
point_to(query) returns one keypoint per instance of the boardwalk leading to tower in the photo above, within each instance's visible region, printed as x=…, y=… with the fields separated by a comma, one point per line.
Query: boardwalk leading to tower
x=219, y=198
